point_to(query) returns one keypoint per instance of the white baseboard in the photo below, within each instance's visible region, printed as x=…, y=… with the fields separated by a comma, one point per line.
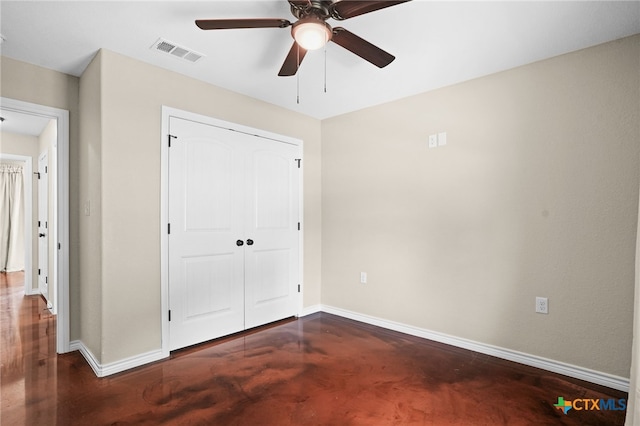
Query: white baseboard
x=32, y=292
x=310, y=310
x=600, y=378
x=114, y=367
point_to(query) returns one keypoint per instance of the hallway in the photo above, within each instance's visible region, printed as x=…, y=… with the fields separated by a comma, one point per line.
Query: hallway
x=317, y=370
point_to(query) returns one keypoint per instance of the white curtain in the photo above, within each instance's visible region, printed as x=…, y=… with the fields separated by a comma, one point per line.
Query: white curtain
x=11, y=218
x=633, y=403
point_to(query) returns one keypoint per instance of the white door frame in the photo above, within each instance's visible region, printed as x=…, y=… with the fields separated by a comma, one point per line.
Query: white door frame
x=60, y=222
x=167, y=113
x=28, y=218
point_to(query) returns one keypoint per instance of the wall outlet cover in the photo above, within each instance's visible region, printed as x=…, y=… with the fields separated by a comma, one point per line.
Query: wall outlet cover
x=542, y=305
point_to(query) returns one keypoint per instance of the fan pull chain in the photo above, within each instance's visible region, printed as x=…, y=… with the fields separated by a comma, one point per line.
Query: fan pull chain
x=325, y=67
x=298, y=74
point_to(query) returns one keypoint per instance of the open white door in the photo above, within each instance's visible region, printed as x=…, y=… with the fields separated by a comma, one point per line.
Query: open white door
x=43, y=226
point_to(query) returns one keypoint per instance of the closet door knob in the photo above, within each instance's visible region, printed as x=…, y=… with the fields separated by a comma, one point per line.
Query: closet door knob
x=239, y=243
x=249, y=242
x=41, y=235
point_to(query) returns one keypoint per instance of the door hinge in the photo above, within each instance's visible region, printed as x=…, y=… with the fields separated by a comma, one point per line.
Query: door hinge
x=299, y=160
x=46, y=225
x=298, y=226
x=37, y=173
x=298, y=288
x=168, y=228
x=38, y=223
x=59, y=246
x=171, y=137
x=46, y=280
x=38, y=271
x=46, y=169
x=169, y=314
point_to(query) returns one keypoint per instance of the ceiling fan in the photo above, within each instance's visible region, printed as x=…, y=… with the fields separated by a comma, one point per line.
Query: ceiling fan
x=311, y=31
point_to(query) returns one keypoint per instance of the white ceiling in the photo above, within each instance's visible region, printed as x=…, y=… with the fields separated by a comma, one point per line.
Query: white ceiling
x=22, y=123
x=435, y=43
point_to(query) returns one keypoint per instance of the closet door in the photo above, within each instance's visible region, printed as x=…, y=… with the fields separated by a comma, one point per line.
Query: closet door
x=272, y=205
x=233, y=242
x=206, y=266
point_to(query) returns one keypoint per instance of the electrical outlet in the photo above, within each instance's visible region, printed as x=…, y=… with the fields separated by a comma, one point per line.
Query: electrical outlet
x=363, y=277
x=433, y=141
x=542, y=305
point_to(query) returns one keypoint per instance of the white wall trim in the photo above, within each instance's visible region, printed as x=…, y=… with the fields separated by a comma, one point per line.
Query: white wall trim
x=301, y=233
x=118, y=366
x=592, y=376
x=61, y=224
x=597, y=377
x=310, y=310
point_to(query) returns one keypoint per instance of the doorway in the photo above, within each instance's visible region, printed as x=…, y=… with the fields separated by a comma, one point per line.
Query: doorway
x=58, y=225
x=25, y=163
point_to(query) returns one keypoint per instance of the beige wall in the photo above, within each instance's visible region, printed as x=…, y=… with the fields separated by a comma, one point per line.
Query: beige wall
x=89, y=213
x=536, y=194
x=30, y=83
x=132, y=94
x=25, y=145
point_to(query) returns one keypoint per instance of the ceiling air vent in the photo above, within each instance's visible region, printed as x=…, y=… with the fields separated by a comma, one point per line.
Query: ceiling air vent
x=177, y=51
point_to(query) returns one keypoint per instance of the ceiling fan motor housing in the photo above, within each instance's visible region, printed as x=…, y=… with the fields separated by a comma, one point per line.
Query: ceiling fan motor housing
x=317, y=8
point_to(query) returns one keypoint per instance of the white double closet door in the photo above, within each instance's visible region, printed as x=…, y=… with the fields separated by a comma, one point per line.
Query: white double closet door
x=233, y=238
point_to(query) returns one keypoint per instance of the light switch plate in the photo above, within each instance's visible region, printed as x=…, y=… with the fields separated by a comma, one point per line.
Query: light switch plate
x=442, y=138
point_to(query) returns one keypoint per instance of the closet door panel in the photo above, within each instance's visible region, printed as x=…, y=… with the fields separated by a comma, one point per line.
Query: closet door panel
x=206, y=267
x=271, y=265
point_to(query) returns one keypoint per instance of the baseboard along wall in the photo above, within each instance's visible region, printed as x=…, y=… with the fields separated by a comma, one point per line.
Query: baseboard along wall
x=102, y=370
x=592, y=376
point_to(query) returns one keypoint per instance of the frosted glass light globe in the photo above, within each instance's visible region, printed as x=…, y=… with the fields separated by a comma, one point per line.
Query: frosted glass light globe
x=311, y=33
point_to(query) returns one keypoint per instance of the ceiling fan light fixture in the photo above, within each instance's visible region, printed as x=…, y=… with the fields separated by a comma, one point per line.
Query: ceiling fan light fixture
x=311, y=33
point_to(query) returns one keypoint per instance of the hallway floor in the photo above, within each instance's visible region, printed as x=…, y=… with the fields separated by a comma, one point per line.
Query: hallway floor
x=317, y=370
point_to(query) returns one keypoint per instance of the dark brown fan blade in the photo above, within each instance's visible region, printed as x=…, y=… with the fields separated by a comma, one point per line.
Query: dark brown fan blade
x=230, y=24
x=346, y=9
x=292, y=61
x=361, y=47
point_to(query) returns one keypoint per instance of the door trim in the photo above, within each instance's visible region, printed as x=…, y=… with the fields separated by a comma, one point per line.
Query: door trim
x=61, y=211
x=167, y=113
